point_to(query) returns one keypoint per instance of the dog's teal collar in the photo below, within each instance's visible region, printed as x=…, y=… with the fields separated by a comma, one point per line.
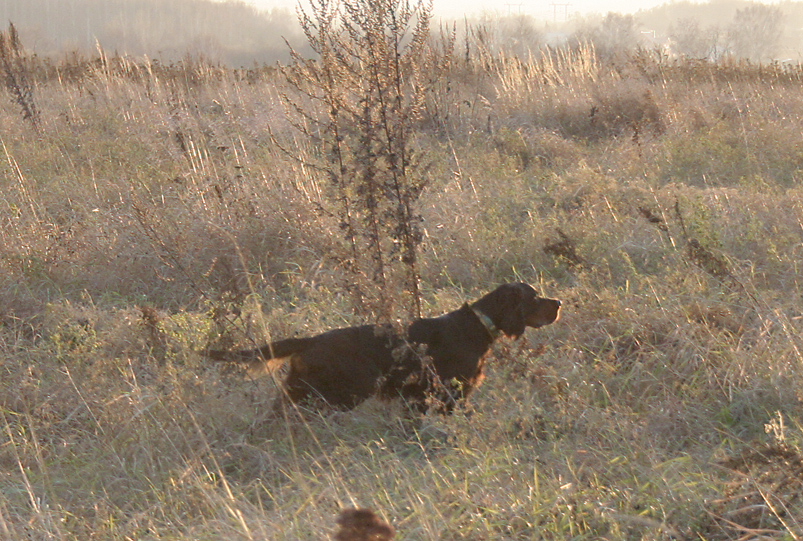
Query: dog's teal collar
x=486, y=322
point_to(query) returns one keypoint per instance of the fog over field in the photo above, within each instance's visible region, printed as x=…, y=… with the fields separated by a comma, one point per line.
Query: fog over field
x=240, y=34
x=541, y=9
x=174, y=182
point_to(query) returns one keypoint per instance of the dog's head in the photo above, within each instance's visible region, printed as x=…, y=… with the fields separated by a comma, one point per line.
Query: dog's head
x=516, y=306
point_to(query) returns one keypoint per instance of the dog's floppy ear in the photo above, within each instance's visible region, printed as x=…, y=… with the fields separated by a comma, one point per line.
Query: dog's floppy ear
x=513, y=298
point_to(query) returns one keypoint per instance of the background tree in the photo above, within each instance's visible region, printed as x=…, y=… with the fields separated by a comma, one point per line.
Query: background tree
x=691, y=40
x=755, y=32
x=521, y=35
x=614, y=35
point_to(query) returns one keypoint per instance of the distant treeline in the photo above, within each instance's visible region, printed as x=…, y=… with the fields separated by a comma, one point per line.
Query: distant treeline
x=734, y=29
x=230, y=32
x=237, y=34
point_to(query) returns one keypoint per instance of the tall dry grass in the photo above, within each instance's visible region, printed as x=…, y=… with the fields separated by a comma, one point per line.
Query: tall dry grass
x=152, y=213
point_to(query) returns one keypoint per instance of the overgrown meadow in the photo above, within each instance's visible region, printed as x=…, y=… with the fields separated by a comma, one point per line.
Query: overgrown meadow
x=150, y=211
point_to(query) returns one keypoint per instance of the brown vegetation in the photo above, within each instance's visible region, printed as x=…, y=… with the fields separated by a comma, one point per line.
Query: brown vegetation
x=155, y=209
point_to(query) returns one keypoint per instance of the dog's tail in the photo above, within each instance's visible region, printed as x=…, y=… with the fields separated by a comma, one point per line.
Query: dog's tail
x=262, y=360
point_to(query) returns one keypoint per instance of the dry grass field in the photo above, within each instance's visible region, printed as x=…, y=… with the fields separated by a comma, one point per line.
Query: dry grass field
x=148, y=211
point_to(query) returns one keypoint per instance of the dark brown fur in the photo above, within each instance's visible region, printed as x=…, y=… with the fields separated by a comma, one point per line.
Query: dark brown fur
x=362, y=525
x=442, y=356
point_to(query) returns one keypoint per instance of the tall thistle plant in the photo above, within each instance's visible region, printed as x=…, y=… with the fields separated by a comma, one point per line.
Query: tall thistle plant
x=358, y=100
x=15, y=73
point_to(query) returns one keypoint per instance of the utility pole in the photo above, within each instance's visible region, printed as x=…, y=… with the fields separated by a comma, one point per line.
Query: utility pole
x=555, y=7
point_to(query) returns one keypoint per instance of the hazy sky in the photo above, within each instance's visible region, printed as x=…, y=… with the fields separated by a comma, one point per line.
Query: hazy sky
x=542, y=9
